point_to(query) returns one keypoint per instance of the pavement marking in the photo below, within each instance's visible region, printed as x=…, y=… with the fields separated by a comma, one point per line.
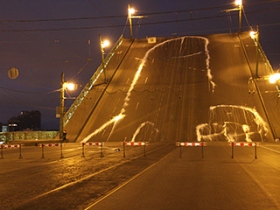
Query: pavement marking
x=273, y=150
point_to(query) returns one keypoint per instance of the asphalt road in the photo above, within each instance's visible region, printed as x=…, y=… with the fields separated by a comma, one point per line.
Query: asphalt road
x=70, y=178
x=163, y=179
x=216, y=181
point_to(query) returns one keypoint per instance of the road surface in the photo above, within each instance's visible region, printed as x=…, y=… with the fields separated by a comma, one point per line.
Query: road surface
x=215, y=182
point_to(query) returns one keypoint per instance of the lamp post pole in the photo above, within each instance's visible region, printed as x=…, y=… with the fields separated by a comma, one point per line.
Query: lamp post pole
x=61, y=124
x=102, y=56
x=255, y=36
x=257, y=52
x=130, y=21
x=240, y=17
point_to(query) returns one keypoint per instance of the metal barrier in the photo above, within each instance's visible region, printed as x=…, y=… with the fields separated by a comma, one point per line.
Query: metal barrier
x=8, y=146
x=191, y=144
x=131, y=143
x=51, y=145
x=244, y=144
x=92, y=144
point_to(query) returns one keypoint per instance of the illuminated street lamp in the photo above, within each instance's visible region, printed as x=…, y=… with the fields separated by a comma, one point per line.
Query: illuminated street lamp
x=255, y=36
x=63, y=86
x=274, y=78
x=103, y=45
x=240, y=7
x=131, y=11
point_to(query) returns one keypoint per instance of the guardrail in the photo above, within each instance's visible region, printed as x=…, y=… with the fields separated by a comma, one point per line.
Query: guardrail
x=90, y=84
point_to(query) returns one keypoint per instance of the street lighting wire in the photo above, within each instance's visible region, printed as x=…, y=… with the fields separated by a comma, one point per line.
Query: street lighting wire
x=29, y=92
x=143, y=24
x=124, y=16
x=105, y=17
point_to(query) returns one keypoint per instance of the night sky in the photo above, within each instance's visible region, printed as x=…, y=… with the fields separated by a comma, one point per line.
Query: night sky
x=43, y=38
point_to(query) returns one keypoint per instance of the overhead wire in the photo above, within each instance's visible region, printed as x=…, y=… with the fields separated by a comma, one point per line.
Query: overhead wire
x=121, y=25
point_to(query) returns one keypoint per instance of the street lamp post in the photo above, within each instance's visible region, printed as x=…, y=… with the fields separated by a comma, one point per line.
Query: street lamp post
x=131, y=11
x=63, y=86
x=255, y=36
x=61, y=124
x=240, y=8
x=103, y=45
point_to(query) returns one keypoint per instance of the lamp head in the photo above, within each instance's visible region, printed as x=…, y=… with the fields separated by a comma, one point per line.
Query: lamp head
x=238, y=2
x=105, y=44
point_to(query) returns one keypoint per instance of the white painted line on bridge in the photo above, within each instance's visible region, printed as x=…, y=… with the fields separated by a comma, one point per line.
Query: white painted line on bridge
x=273, y=150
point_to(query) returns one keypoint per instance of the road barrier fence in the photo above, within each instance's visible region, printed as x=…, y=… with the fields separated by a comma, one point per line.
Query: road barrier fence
x=132, y=143
x=244, y=144
x=51, y=145
x=10, y=146
x=126, y=144
x=191, y=144
x=92, y=144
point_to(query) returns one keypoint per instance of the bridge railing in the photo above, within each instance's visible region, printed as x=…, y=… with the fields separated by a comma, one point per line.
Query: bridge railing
x=91, y=83
x=27, y=135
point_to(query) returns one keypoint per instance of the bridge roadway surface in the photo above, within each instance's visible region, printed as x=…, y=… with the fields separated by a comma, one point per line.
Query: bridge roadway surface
x=214, y=182
x=173, y=88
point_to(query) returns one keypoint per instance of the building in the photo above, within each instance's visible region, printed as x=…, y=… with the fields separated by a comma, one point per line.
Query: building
x=27, y=120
